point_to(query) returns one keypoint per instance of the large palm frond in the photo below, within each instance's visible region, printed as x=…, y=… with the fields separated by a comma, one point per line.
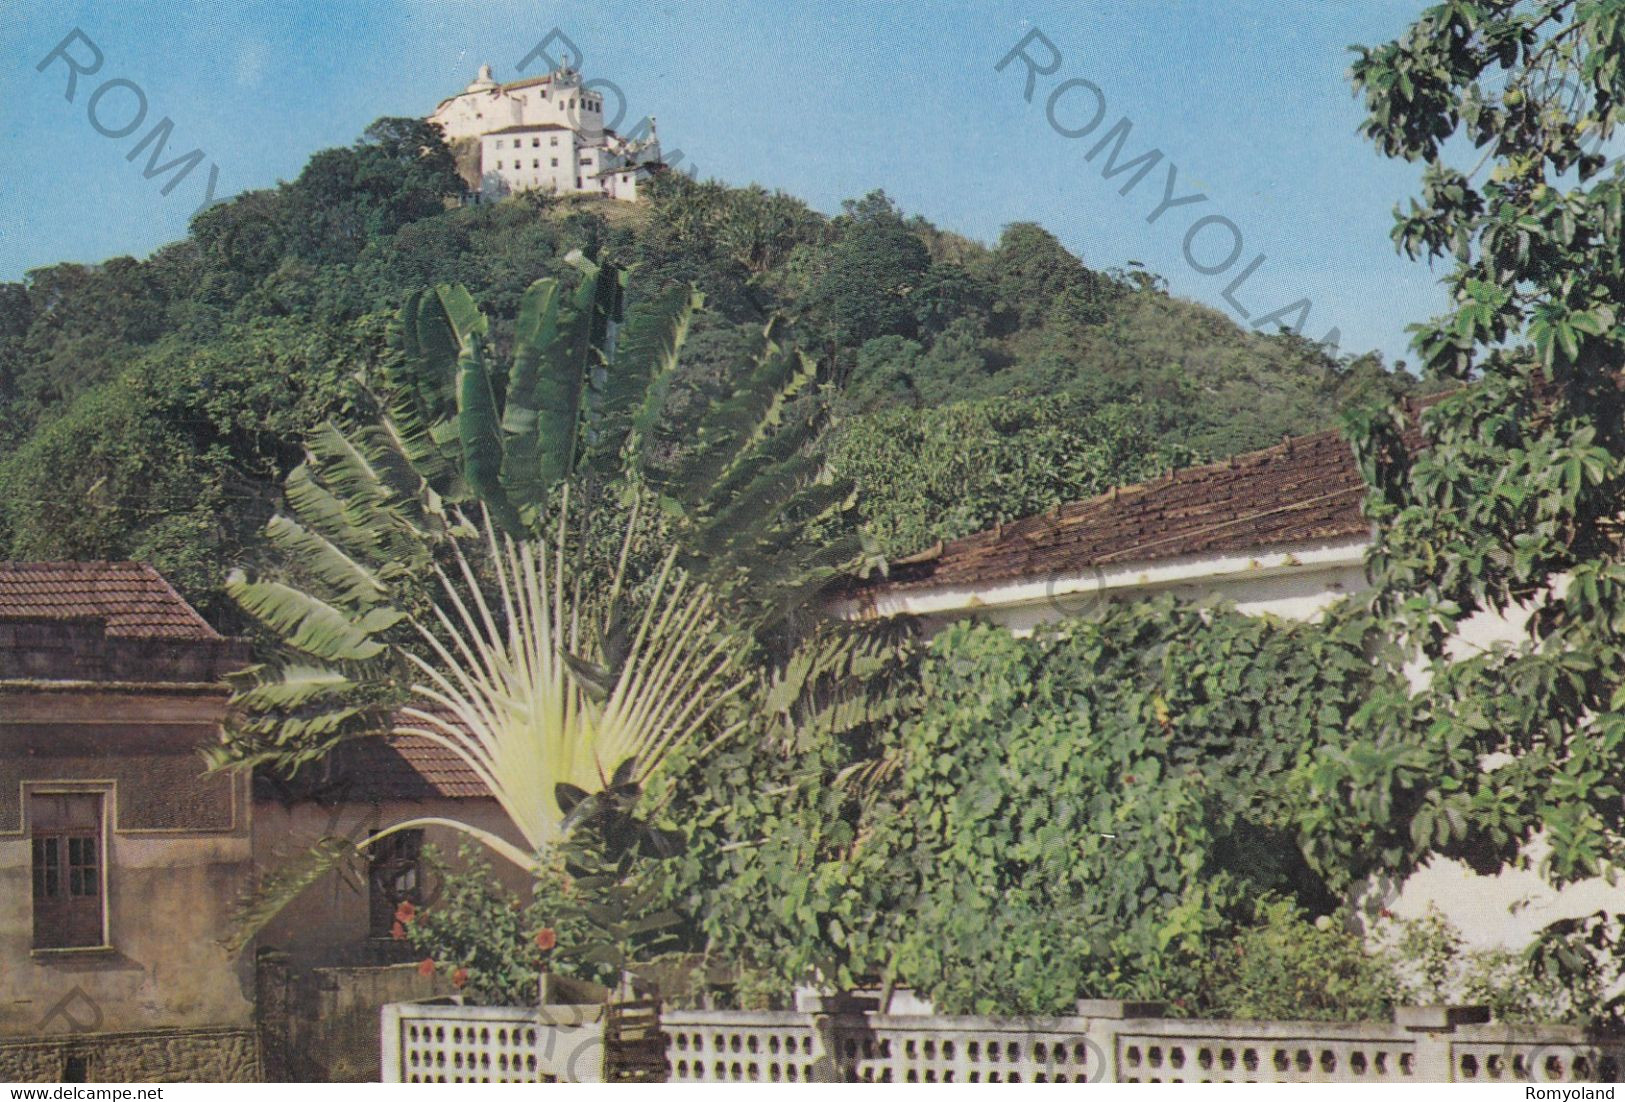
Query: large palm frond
x=757, y=512
x=527, y=696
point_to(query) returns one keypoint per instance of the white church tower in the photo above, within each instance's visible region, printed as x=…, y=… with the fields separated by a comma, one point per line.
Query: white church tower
x=543, y=133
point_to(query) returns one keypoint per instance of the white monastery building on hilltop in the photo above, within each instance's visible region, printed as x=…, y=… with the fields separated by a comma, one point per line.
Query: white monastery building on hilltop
x=543, y=133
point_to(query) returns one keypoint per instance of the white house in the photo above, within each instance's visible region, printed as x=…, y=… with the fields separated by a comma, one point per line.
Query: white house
x=544, y=133
x=1276, y=532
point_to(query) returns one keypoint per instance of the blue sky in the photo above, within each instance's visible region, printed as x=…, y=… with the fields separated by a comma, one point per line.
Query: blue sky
x=827, y=99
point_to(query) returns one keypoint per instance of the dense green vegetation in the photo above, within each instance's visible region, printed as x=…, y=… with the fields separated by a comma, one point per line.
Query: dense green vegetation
x=149, y=408
x=1005, y=823
x=1084, y=810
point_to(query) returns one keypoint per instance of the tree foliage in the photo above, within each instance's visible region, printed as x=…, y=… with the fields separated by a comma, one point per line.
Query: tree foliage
x=1082, y=812
x=976, y=464
x=161, y=404
x=221, y=350
x=1513, y=507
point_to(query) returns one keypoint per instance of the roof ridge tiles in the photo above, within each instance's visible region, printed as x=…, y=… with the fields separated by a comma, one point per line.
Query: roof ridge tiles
x=1304, y=489
x=133, y=598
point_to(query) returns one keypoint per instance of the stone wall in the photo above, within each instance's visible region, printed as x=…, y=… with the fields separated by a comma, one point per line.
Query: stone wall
x=149, y=1056
x=321, y=1025
x=336, y=1026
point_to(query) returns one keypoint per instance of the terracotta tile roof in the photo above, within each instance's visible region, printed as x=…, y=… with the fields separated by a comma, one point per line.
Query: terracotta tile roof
x=1304, y=490
x=526, y=128
x=527, y=82
x=404, y=767
x=132, y=597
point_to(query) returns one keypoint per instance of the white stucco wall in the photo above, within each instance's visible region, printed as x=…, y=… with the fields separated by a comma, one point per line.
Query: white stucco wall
x=485, y=106
x=539, y=159
x=1295, y=582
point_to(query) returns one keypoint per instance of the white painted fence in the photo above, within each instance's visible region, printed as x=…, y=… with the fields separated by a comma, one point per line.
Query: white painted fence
x=1105, y=1042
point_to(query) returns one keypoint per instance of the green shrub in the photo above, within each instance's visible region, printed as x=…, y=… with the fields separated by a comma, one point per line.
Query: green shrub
x=1292, y=968
x=1560, y=977
x=476, y=926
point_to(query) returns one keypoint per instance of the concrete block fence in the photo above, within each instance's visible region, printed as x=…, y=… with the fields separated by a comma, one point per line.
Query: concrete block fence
x=1105, y=1041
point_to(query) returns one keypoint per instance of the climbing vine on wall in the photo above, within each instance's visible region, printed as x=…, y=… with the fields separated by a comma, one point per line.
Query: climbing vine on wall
x=1076, y=813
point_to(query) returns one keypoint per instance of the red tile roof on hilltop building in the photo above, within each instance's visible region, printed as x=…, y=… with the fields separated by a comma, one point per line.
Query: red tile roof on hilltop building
x=132, y=597
x=1304, y=490
x=526, y=82
x=526, y=128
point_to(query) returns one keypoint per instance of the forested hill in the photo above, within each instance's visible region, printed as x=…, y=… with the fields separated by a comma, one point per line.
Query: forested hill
x=148, y=409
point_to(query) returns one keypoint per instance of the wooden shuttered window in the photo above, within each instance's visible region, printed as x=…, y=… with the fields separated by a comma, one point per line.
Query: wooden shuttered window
x=65, y=836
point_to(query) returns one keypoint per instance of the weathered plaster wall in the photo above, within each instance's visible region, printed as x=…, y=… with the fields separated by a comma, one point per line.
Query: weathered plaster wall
x=337, y=978
x=335, y=1015
x=169, y=903
x=327, y=925
x=177, y=858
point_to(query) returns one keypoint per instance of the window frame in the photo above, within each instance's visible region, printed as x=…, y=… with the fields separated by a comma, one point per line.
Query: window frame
x=64, y=919
x=386, y=859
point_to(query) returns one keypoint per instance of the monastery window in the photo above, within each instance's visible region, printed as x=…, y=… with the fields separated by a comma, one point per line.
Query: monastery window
x=499, y=164
x=534, y=142
x=536, y=163
x=554, y=140
x=65, y=833
x=394, y=876
x=499, y=143
x=555, y=162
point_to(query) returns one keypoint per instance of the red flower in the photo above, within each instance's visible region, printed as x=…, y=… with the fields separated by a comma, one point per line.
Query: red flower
x=405, y=912
x=459, y=977
x=426, y=967
x=398, y=932
x=546, y=938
